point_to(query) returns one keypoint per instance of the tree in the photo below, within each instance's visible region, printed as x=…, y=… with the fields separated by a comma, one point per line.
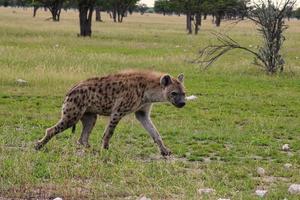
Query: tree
x=270, y=21
x=119, y=8
x=86, y=8
x=100, y=5
x=221, y=8
x=54, y=7
x=141, y=8
x=296, y=13
x=163, y=6
x=194, y=9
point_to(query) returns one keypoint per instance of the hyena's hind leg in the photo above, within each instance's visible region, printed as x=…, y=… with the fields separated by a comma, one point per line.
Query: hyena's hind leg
x=88, y=122
x=63, y=124
x=70, y=116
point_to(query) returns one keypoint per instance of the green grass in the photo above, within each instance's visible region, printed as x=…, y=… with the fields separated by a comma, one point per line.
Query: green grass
x=239, y=122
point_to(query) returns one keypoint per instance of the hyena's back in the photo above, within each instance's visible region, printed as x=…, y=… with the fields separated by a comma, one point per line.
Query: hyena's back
x=101, y=95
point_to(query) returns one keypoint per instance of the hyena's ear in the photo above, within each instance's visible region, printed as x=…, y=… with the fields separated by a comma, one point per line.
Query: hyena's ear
x=181, y=77
x=165, y=80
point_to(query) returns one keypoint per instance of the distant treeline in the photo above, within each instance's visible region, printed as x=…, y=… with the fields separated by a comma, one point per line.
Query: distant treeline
x=195, y=10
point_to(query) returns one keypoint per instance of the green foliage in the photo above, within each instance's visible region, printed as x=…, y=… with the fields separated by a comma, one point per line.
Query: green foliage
x=296, y=13
x=206, y=6
x=163, y=6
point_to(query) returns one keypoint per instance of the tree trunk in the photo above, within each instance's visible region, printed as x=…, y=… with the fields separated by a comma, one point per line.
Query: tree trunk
x=218, y=19
x=204, y=16
x=98, y=14
x=119, y=16
x=189, y=23
x=85, y=18
x=197, y=22
x=55, y=9
x=115, y=15
x=35, y=8
x=55, y=13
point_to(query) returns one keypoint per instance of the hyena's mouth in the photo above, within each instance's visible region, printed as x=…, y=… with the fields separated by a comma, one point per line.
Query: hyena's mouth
x=179, y=105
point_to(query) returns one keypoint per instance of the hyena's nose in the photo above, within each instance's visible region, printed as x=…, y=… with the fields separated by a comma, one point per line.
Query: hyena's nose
x=181, y=104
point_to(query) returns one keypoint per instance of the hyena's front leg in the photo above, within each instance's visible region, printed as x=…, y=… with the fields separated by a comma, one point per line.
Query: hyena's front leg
x=143, y=116
x=109, y=131
x=88, y=122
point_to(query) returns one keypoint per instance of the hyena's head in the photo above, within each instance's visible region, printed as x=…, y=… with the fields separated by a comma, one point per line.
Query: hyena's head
x=173, y=89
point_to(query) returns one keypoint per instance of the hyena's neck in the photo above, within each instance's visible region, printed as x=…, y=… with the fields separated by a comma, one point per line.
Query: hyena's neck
x=154, y=94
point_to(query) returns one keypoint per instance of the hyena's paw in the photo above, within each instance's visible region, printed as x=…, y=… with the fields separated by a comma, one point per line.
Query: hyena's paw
x=105, y=145
x=85, y=144
x=165, y=152
x=38, y=145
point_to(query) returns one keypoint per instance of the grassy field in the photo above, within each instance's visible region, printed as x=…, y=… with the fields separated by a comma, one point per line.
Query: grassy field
x=239, y=122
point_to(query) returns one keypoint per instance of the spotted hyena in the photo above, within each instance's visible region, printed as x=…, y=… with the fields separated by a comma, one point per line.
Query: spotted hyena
x=117, y=95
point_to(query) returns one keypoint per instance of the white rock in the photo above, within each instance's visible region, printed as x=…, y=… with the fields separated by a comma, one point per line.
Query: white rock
x=190, y=98
x=21, y=81
x=285, y=147
x=261, y=171
x=250, y=46
x=206, y=190
x=57, y=45
x=58, y=198
x=261, y=193
x=144, y=198
x=222, y=199
x=294, y=189
x=287, y=165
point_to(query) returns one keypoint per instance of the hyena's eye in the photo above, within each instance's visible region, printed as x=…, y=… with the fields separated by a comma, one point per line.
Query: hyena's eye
x=174, y=93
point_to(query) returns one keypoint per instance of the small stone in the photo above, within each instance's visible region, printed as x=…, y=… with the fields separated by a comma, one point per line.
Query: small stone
x=177, y=46
x=21, y=81
x=58, y=198
x=190, y=98
x=144, y=198
x=261, y=171
x=285, y=147
x=57, y=45
x=206, y=191
x=223, y=199
x=250, y=46
x=261, y=193
x=287, y=165
x=294, y=189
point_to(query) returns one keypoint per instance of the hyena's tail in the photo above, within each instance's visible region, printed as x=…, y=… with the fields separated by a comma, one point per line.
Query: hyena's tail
x=73, y=128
